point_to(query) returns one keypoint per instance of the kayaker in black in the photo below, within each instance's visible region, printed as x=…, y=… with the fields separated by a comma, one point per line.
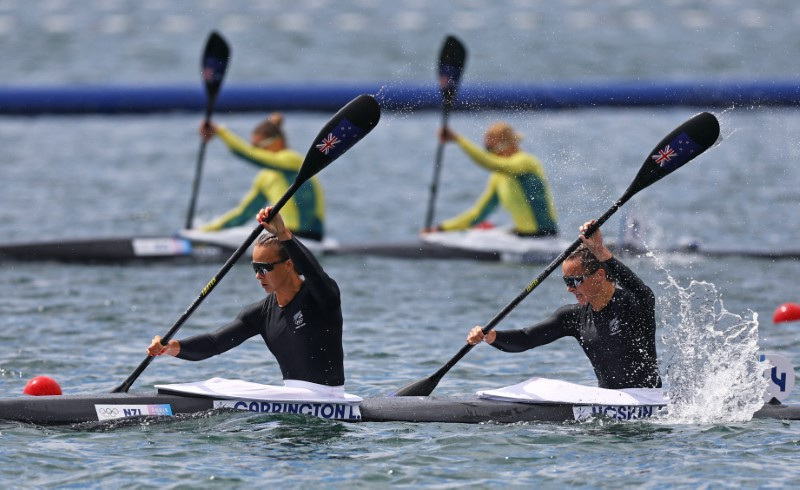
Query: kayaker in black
x=300, y=319
x=614, y=320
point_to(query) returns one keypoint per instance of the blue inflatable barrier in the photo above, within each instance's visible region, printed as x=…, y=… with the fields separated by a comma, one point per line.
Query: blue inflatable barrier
x=407, y=97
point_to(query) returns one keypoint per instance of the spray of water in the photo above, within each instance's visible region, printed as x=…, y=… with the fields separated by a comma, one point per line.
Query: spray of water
x=712, y=372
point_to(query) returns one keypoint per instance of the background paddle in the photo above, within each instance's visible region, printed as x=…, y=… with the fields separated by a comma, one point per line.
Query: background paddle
x=345, y=128
x=679, y=147
x=451, y=65
x=214, y=64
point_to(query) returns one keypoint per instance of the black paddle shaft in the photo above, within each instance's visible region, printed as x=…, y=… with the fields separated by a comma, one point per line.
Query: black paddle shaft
x=451, y=66
x=678, y=148
x=437, y=170
x=345, y=128
x=214, y=65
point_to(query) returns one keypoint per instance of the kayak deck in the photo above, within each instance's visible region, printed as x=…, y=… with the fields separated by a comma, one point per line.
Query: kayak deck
x=472, y=409
x=70, y=409
x=463, y=410
x=137, y=250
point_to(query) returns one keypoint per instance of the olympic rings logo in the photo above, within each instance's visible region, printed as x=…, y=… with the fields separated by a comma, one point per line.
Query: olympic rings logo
x=108, y=411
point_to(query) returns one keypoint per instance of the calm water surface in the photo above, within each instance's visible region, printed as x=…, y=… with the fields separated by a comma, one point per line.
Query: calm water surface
x=114, y=176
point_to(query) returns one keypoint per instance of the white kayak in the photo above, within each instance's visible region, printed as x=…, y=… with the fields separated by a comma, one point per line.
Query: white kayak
x=233, y=237
x=508, y=246
x=195, y=246
x=484, y=244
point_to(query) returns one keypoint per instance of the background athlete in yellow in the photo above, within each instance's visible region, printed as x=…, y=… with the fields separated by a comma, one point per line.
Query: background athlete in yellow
x=517, y=182
x=304, y=214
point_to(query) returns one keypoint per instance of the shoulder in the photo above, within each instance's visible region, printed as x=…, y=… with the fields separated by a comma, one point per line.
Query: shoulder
x=266, y=177
x=633, y=299
x=616, y=265
x=569, y=312
x=257, y=308
x=528, y=161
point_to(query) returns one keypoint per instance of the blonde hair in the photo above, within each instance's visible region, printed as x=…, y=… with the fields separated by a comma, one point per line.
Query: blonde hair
x=271, y=127
x=504, y=132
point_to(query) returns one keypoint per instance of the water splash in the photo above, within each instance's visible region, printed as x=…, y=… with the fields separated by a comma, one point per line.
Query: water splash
x=713, y=373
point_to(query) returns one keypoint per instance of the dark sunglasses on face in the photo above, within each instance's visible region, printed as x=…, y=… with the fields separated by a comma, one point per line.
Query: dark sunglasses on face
x=264, y=267
x=575, y=281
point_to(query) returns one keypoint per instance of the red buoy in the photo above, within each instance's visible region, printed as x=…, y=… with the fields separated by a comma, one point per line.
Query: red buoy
x=787, y=312
x=42, y=385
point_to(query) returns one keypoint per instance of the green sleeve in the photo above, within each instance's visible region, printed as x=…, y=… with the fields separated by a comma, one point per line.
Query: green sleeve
x=284, y=160
x=483, y=207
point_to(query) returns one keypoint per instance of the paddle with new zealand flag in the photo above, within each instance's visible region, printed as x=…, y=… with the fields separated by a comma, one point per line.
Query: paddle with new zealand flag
x=678, y=148
x=342, y=131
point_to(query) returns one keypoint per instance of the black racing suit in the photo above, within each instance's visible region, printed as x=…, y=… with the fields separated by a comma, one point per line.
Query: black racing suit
x=619, y=340
x=305, y=336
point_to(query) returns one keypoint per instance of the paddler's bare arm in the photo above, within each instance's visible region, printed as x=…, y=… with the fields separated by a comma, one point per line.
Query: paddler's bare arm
x=172, y=348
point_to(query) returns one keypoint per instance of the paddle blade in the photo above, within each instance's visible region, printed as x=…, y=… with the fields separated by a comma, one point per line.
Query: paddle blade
x=451, y=65
x=678, y=148
x=423, y=387
x=346, y=127
x=215, y=63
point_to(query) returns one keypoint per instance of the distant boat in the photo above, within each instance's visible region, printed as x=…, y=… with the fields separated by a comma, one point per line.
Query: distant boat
x=194, y=246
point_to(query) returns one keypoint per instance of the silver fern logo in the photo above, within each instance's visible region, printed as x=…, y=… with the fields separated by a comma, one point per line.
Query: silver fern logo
x=613, y=326
x=299, y=322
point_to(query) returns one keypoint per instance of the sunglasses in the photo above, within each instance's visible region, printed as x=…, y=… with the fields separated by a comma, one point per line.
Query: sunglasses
x=264, y=267
x=575, y=281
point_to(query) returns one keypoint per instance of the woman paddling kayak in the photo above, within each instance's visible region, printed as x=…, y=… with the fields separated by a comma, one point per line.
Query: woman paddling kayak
x=614, y=320
x=300, y=320
x=517, y=183
x=268, y=150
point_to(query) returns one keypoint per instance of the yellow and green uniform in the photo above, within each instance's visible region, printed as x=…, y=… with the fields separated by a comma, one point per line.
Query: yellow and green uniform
x=518, y=183
x=304, y=213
